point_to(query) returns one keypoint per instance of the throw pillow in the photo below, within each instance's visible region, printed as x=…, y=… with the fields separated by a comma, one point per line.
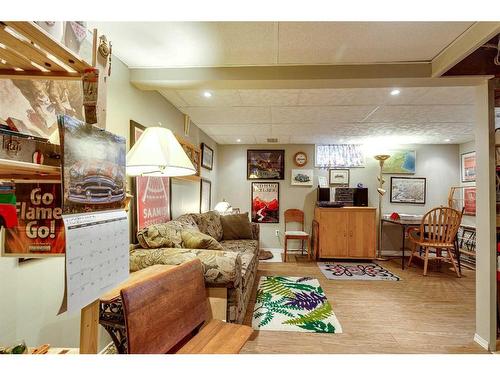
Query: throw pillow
x=161, y=235
x=236, y=227
x=193, y=239
x=209, y=223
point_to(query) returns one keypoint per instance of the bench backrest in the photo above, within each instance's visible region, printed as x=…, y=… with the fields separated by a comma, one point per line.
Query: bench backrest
x=162, y=310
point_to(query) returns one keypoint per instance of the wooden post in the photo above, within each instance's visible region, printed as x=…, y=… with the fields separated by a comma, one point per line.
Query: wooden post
x=89, y=328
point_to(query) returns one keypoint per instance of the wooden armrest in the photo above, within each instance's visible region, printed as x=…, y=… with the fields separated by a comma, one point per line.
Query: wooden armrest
x=411, y=230
x=218, y=337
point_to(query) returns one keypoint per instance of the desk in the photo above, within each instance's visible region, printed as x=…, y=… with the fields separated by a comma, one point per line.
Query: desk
x=405, y=224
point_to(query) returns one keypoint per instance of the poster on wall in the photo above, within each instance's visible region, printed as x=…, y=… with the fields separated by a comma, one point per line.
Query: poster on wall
x=265, y=202
x=151, y=194
x=31, y=106
x=265, y=164
x=408, y=190
x=401, y=162
x=468, y=166
x=470, y=201
x=40, y=229
x=93, y=167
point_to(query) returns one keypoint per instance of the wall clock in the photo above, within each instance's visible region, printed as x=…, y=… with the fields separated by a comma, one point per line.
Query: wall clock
x=300, y=159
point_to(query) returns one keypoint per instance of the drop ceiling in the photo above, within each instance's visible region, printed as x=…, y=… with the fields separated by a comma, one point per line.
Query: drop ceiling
x=416, y=115
x=303, y=114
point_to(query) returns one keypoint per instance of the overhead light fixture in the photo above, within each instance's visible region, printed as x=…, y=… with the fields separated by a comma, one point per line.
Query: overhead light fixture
x=158, y=153
x=447, y=140
x=395, y=92
x=207, y=94
x=238, y=140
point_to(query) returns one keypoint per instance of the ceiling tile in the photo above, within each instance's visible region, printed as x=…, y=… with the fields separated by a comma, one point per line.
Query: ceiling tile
x=423, y=114
x=173, y=97
x=229, y=115
x=447, y=95
x=245, y=140
x=269, y=97
x=364, y=42
x=320, y=114
x=219, y=98
x=282, y=139
x=236, y=130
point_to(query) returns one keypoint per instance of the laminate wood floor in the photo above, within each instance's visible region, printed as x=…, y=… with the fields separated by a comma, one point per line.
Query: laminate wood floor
x=431, y=314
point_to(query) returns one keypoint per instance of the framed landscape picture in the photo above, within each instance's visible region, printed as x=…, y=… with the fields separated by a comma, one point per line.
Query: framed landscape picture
x=265, y=202
x=339, y=177
x=400, y=162
x=205, y=195
x=410, y=190
x=265, y=164
x=470, y=201
x=151, y=202
x=207, y=157
x=468, y=166
x=302, y=177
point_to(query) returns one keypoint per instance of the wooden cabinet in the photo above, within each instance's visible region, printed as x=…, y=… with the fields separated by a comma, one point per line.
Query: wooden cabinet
x=348, y=232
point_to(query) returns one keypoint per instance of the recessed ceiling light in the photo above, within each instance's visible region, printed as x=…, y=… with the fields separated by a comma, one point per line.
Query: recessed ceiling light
x=207, y=94
x=447, y=140
x=395, y=92
x=238, y=140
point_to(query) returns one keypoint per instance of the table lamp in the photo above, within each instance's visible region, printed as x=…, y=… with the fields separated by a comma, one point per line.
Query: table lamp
x=381, y=192
x=223, y=207
x=158, y=153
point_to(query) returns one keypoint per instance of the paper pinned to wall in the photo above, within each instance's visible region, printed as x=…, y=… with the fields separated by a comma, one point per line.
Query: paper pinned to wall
x=97, y=256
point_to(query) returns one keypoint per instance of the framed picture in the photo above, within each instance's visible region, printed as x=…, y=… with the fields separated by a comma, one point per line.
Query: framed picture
x=339, y=177
x=151, y=201
x=400, y=162
x=302, y=177
x=265, y=164
x=468, y=166
x=408, y=190
x=205, y=195
x=207, y=157
x=194, y=154
x=470, y=201
x=265, y=202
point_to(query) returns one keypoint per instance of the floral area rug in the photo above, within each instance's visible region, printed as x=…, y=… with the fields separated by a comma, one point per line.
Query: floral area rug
x=356, y=271
x=285, y=303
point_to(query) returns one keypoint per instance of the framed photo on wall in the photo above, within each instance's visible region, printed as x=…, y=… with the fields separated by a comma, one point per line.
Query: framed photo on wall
x=265, y=164
x=468, y=166
x=470, y=201
x=205, y=195
x=302, y=177
x=151, y=202
x=339, y=177
x=265, y=202
x=207, y=157
x=401, y=162
x=410, y=190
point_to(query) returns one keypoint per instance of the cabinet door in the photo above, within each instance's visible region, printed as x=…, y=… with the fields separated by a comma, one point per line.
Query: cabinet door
x=362, y=232
x=333, y=234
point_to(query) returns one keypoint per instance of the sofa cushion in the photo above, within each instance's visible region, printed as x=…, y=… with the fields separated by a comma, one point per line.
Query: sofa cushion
x=194, y=239
x=161, y=235
x=241, y=246
x=209, y=223
x=187, y=221
x=236, y=227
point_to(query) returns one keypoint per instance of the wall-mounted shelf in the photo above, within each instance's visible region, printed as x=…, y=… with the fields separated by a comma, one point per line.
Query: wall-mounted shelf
x=192, y=178
x=29, y=51
x=12, y=169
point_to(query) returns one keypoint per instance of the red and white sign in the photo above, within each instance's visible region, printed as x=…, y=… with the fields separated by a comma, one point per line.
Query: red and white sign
x=153, y=200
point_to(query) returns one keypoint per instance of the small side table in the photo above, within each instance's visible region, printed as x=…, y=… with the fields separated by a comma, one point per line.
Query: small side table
x=405, y=224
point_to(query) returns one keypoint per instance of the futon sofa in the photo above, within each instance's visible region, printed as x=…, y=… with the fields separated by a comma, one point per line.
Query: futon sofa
x=233, y=267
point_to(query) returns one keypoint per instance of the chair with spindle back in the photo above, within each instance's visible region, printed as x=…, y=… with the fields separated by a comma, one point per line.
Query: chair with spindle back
x=437, y=231
x=294, y=215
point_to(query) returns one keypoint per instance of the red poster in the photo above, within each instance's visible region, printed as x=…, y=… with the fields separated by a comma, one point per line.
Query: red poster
x=470, y=201
x=153, y=200
x=40, y=231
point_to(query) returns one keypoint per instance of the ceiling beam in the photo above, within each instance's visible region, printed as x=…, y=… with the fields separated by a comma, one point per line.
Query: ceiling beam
x=473, y=38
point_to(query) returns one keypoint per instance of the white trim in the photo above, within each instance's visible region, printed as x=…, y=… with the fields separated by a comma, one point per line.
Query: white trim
x=478, y=339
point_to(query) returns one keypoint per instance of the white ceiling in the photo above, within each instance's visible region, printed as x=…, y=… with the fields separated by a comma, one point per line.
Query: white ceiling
x=194, y=44
x=417, y=115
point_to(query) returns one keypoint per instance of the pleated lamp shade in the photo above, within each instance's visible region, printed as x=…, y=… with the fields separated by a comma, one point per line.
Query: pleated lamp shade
x=158, y=153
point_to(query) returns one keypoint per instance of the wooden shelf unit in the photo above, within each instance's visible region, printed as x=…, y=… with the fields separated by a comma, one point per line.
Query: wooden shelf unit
x=13, y=169
x=27, y=50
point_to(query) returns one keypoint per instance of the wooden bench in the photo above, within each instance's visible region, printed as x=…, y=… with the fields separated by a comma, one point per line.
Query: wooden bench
x=168, y=312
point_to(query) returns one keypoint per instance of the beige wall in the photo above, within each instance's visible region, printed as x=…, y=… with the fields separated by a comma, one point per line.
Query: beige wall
x=438, y=163
x=31, y=294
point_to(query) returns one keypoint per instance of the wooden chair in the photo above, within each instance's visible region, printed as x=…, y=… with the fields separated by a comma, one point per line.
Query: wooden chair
x=296, y=216
x=437, y=231
x=166, y=313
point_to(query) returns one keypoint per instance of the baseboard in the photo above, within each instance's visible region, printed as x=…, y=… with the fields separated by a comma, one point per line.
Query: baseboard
x=478, y=339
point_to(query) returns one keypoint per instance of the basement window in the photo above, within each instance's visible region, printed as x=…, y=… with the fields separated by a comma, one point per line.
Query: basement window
x=339, y=156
